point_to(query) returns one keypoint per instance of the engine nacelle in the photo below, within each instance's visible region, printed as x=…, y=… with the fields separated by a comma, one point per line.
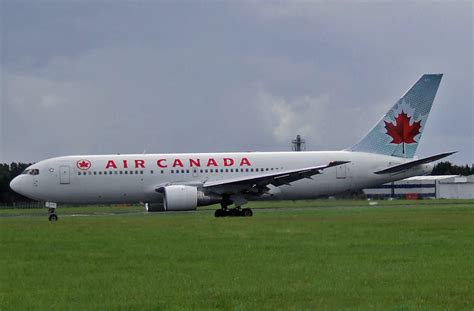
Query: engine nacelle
x=155, y=207
x=180, y=198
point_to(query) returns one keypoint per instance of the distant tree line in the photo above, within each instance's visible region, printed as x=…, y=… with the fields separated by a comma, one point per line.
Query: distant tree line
x=7, y=173
x=10, y=171
x=447, y=168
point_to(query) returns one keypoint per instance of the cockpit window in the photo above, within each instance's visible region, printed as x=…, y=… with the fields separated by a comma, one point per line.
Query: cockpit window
x=33, y=171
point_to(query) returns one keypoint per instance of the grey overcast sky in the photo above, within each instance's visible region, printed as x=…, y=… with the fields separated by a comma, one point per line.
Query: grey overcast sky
x=95, y=77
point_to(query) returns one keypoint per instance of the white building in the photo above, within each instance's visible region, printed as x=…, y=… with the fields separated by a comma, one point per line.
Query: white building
x=444, y=186
x=459, y=187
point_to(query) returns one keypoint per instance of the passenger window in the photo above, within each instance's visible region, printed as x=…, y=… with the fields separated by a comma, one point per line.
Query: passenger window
x=151, y=172
x=126, y=172
x=162, y=171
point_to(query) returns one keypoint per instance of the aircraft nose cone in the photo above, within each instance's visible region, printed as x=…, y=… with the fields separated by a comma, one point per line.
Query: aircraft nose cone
x=15, y=185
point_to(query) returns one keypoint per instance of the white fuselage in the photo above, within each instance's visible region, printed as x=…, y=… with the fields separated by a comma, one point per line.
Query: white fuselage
x=134, y=178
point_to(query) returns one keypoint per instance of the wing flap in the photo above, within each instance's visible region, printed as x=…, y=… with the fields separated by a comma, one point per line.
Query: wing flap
x=275, y=178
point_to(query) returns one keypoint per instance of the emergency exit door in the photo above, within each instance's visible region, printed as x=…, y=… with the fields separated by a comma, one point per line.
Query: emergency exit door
x=64, y=174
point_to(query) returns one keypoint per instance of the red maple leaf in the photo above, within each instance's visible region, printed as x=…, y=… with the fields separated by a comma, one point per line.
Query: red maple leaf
x=84, y=164
x=401, y=131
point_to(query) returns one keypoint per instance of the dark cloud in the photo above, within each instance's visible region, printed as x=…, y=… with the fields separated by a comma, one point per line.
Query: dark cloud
x=97, y=77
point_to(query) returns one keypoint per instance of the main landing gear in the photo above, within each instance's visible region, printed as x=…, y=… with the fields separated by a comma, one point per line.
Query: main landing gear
x=238, y=211
x=233, y=212
x=52, y=215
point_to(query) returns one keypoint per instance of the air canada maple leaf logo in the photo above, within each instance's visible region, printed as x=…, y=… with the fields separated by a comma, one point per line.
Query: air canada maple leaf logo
x=83, y=164
x=402, y=132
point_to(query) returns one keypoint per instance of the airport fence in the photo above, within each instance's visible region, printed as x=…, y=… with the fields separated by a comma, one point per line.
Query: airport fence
x=22, y=205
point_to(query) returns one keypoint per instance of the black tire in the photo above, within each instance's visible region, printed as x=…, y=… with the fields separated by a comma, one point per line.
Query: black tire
x=247, y=212
x=220, y=213
x=53, y=217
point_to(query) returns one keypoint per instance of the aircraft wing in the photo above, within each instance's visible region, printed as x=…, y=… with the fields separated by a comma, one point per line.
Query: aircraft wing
x=408, y=165
x=259, y=182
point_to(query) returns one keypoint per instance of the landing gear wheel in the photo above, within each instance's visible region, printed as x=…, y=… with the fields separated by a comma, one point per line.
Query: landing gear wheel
x=53, y=217
x=247, y=212
x=220, y=213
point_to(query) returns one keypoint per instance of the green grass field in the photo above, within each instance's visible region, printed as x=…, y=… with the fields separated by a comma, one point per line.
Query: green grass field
x=398, y=255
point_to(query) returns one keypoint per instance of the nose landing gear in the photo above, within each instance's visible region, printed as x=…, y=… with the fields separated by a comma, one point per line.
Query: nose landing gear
x=52, y=211
x=53, y=217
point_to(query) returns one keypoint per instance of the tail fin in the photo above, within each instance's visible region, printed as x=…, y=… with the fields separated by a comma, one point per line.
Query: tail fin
x=399, y=131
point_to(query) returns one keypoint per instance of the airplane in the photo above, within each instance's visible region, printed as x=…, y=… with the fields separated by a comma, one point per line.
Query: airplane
x=182, y=182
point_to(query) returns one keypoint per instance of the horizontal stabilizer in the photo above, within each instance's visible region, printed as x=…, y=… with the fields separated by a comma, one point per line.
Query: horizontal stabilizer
x=408, y=165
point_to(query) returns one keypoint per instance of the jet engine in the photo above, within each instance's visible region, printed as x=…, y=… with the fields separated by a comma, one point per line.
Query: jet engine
x=182, y=198
x=155, y=207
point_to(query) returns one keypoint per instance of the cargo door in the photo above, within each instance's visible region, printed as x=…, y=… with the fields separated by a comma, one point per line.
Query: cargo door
x=64, y=174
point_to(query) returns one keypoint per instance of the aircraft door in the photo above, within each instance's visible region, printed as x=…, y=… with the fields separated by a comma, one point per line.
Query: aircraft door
x=64, y=174
x=341, y=171
x=195, y=172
